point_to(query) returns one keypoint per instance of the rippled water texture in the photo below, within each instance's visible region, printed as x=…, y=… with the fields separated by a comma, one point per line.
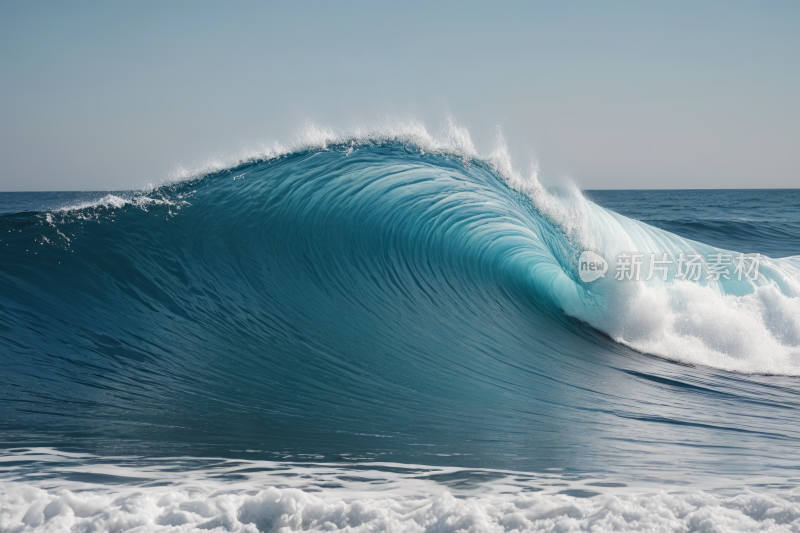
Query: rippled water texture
x=380, y=303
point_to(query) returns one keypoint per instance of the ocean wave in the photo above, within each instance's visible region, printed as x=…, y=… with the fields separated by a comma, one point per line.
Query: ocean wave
x=382, y=299
x=419, y=210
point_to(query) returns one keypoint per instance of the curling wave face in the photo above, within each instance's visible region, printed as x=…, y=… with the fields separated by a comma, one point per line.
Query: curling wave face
x=386, y=299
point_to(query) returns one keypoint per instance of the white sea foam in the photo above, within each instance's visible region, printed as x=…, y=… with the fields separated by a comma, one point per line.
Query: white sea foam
x=27, y=509
x=755, y=333
x=745, y=326
x=166, y=495
x=452, y=139
x=91, y=210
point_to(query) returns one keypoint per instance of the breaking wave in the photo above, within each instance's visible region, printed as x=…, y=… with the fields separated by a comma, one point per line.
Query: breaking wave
x=390, y=300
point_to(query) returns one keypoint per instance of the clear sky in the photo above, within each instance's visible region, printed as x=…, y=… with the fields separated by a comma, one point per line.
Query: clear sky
x=114, y=95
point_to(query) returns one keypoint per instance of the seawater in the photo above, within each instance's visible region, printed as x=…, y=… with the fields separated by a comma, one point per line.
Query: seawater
x=390, y=334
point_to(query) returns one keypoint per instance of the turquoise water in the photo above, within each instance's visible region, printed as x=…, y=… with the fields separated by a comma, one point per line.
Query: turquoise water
x=379, y=304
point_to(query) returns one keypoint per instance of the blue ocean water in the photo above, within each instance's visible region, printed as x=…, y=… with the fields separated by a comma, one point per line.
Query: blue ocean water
x=380, y=316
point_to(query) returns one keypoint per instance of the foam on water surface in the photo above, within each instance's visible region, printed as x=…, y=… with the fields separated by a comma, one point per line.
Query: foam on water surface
x=186, y=494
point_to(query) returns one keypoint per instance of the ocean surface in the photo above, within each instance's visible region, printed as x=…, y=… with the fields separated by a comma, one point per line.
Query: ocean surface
x=390, y=333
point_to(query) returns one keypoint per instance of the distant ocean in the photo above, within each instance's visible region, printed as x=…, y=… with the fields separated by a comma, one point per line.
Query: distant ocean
x=389, y=333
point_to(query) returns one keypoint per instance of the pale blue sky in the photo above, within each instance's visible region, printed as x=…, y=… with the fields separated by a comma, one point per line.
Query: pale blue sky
x=612, y=94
